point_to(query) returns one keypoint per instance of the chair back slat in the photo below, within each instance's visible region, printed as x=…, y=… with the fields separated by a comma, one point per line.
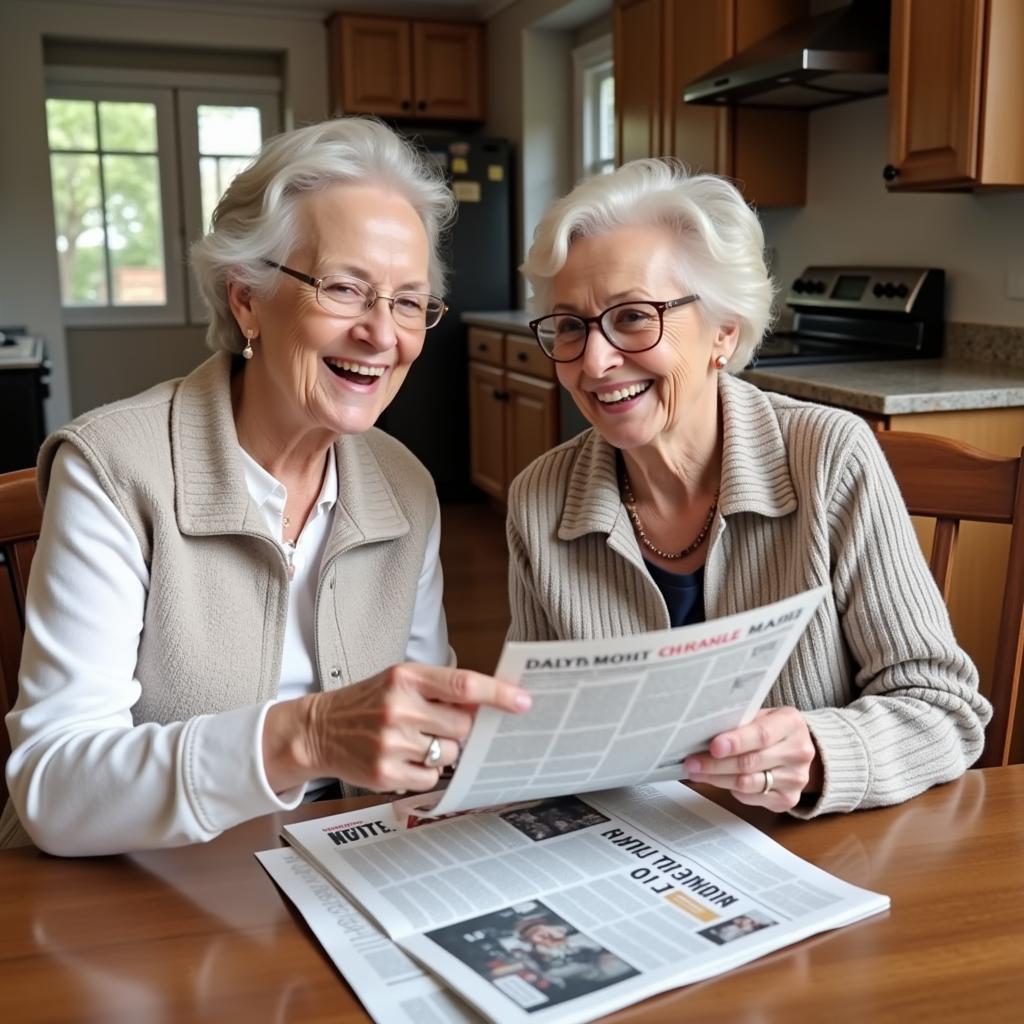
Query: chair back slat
x=20, y=520
x=21, y=554
x=1009, y=661
x=953, y=482
x=943, y=544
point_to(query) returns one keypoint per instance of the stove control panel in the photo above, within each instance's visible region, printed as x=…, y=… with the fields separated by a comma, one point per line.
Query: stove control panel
x=871, y=289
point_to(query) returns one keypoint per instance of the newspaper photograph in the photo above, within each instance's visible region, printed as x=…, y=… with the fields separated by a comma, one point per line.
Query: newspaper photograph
x=609, y=713
x=565, y=909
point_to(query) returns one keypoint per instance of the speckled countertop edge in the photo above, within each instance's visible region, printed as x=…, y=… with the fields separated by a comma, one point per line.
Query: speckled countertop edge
x=515, y=320
x=893, y=388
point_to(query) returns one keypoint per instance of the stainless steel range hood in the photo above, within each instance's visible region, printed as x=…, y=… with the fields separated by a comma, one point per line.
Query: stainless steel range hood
x=834, y=57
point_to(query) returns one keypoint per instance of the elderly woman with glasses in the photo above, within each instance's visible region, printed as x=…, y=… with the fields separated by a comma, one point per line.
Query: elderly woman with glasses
x=236, y=597
x=695, y=495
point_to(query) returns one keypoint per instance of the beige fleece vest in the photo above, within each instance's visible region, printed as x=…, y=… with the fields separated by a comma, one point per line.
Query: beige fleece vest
x=216, y=609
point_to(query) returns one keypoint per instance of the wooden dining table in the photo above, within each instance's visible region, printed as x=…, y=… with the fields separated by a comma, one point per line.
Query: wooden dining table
x=200, y=933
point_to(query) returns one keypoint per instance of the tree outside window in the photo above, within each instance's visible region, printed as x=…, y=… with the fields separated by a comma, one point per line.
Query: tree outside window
x=104, y=165
x=137, y=172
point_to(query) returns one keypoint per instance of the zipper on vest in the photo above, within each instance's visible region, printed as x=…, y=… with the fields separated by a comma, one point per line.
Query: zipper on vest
x=288, y=547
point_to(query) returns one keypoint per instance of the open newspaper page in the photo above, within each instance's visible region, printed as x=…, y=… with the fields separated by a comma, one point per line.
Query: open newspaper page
x=610, y=713
x=567, y=908
x=392, y=986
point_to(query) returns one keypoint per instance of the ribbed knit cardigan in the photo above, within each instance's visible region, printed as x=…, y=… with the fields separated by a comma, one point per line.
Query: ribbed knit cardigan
x=807, y=498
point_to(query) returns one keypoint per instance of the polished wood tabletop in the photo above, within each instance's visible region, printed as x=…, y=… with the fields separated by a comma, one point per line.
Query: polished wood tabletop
x=202, y=934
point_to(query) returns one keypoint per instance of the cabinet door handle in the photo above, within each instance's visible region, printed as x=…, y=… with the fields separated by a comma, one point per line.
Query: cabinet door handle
x=422, y=105
x=406, y=104
x=890, y=173
x=522, y=357
x=482, y=346
x=501, y=396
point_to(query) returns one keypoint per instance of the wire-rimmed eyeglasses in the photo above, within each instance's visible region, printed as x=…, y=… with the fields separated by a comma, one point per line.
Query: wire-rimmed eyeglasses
x=628, y=326
x=344, y=296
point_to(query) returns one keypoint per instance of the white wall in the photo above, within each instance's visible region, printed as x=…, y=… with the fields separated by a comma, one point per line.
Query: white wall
x=529, y=98
x=851, y=218
x=547, y=124
x=29, y=286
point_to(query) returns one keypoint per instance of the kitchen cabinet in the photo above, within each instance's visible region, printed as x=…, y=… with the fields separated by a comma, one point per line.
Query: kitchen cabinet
x=397, y=68
x=513, y=407
x=660, y=46
x=955, y=82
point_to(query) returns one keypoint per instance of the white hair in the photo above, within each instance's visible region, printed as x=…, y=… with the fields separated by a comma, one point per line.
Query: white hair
x=255, y=220
x=721, y=244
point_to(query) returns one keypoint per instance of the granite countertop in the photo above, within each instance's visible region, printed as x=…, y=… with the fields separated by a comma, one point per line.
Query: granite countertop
x=899, y=386
x=889, y=387
x=514, y=320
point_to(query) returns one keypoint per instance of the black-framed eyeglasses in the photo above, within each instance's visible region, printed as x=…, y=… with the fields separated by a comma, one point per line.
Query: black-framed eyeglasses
x=627, y=326
x=348, y=297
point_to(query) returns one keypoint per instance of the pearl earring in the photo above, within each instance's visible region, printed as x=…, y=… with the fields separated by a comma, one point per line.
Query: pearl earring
x=720, y=361
x=250, y=334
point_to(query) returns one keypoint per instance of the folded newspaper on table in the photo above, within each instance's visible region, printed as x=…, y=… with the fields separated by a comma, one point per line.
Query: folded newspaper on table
x=562, y=909
x=557, y=907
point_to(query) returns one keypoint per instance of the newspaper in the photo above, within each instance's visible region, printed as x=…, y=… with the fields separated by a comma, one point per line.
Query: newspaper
x=609, y=713
x=393, y=988
x=561, y=909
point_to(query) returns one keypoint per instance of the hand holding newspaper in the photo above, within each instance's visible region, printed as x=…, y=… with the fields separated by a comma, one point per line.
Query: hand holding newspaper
x=618, y=712
x=557, y=908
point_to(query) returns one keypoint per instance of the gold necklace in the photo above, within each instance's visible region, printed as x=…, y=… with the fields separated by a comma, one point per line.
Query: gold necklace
x=630, y=503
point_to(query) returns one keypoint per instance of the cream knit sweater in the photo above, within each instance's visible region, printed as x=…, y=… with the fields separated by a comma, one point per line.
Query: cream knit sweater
x=806, y=499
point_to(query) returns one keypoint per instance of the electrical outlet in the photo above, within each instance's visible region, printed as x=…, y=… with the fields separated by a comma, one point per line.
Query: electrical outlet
x=1015, y=282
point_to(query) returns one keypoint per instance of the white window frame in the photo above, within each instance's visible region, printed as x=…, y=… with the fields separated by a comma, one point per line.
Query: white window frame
x=189, y=101
x=177, y=96
x=591, y=62
x=173, y=310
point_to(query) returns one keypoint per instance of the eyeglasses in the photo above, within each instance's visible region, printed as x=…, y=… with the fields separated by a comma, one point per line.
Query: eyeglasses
x=348, y=297
x=628, y=326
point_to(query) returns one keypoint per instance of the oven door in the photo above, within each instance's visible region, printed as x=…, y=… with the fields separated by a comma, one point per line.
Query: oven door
x=791, y=347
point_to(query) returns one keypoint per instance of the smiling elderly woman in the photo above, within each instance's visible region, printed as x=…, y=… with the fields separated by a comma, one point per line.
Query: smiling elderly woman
x=696, y=495
x=232, y=565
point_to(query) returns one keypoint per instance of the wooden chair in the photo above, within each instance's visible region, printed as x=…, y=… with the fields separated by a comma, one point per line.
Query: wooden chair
x=952, y=482
x=20, y=519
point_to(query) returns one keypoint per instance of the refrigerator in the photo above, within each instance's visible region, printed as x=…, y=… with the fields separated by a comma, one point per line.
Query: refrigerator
x=430, y=414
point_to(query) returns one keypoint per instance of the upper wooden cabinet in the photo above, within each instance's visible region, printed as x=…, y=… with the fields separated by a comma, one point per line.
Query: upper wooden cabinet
x=956, y=79
x=660, y=46
x=398, y=68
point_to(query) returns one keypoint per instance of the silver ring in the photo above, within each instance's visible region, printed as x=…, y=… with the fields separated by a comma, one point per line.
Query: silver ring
x=769, y=781
x=433, y=754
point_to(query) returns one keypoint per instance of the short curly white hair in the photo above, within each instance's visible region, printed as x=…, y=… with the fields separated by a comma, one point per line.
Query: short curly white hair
x=721, y=243
x=255, y=220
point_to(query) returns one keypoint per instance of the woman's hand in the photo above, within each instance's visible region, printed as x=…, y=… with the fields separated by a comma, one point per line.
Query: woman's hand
x=376, y=733
x=776, y=740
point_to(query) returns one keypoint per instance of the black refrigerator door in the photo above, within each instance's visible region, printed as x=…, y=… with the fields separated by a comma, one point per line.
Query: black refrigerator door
x=430, y=415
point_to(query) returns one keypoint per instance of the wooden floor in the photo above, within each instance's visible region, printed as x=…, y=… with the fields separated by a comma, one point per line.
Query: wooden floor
x=475, y=562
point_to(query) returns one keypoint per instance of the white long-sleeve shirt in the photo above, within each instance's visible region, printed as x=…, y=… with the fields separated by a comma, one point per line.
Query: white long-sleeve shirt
x=84, y=778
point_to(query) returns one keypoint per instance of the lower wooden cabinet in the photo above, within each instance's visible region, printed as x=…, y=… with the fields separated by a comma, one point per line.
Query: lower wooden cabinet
x=513, y=407
x=487, y=417
x=531, y=427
